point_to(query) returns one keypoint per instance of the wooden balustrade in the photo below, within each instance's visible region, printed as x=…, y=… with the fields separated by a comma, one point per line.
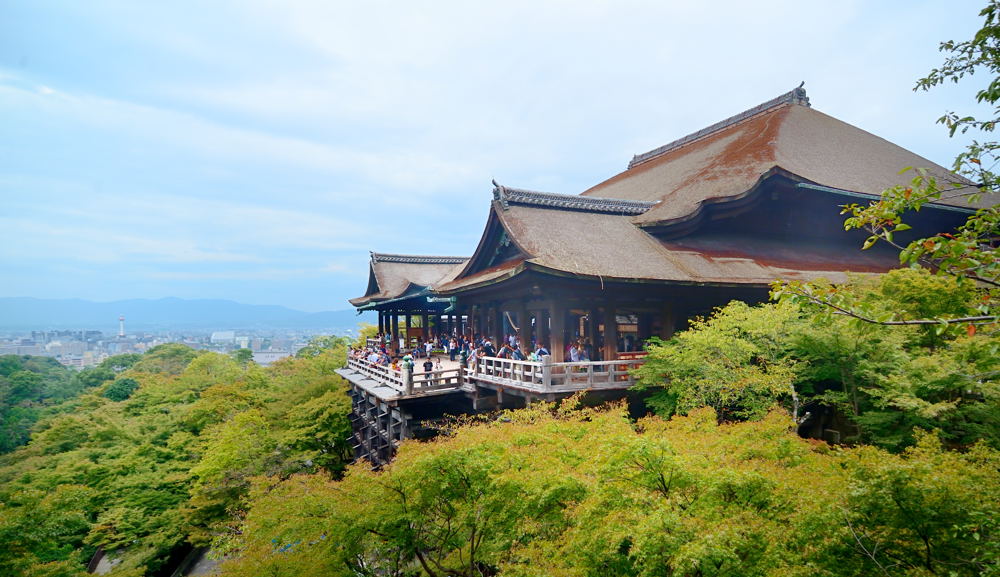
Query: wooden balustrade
x=549, y=377
x=534, y=376
x=419, y=382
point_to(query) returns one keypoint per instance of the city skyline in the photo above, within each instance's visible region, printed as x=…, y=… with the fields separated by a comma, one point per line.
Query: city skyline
x=257, y=152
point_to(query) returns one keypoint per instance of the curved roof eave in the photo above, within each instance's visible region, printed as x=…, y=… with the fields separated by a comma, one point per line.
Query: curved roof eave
x=774, y=172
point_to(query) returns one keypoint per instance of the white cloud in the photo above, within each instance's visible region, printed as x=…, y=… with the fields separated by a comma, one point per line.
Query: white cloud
x=102, y=227
x=208, y=140
x=275, y=139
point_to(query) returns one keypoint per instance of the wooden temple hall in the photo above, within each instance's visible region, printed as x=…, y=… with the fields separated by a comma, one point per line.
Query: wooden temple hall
x=714, y=216
x=711, y=217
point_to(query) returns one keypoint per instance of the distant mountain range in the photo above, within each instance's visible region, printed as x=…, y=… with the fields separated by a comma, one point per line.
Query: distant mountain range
x=21, y=313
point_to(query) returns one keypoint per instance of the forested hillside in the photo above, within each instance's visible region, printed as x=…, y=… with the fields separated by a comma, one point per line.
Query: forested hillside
x=31, y=387
x=154, y=457
x=177, y=449
x=588, y=492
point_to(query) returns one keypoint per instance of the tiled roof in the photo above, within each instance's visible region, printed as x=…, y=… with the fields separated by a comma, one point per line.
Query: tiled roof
x=507, y=196
x=725, y=161
x=394, y=275
x=417, y=259
x=612, y=248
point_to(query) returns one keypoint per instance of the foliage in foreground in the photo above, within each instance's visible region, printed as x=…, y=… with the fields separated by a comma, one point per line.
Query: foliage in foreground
x=884, y=381
x=967, y=254
x=158, y=454
x=589, y=493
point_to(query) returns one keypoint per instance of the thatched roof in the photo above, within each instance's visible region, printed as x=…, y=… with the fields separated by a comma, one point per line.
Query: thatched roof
x=726, y=160
x=391, y=276
x=625, y=229
x=556, y=235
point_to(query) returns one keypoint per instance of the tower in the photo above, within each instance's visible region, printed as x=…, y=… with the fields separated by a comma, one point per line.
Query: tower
x=121, y=326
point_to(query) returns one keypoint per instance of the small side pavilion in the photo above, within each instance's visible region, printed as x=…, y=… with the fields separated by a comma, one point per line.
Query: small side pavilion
x=400, y=288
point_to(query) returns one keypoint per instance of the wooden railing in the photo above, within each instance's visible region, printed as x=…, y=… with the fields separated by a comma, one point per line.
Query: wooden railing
x=383, y=374
x=549, y=377
x=539, y=377
x=404, y=382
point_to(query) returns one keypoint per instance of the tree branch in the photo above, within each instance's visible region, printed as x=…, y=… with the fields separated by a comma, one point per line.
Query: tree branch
x=974, y=320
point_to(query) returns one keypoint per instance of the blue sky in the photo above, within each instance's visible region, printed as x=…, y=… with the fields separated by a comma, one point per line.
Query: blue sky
x=257, y=151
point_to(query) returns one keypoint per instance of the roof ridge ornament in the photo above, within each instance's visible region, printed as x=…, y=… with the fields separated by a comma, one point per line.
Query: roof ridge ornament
x=507, y=196
x=794, y=96
x=500, y=194
x=417, y=259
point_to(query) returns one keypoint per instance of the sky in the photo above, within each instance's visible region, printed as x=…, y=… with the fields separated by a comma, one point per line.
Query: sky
x=258, y=150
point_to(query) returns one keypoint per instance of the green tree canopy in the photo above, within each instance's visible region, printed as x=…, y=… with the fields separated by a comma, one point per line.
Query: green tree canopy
x=588, y=492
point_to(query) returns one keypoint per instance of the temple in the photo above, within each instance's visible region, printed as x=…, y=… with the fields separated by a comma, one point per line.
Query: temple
x=711, y=217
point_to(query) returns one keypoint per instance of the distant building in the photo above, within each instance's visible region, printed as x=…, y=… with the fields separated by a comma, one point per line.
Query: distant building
x=265, y=358
x=223, y=337
x=35, y=350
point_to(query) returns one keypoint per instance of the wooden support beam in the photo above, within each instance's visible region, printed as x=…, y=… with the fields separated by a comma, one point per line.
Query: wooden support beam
x=497, y=319
x=558, y=316
x=610, y=331
x=523, y=325
x=544, y=332
x=592, y=332
x=667, y=321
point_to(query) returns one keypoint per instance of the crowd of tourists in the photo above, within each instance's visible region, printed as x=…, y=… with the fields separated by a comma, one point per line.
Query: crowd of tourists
x=467, y=347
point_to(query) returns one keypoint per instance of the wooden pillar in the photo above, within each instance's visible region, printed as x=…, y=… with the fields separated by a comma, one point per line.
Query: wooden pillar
x=406, y=335
x=498, y=331
x=544, y=334
x=394, y=319
x=558, y=341
x=645, y=325
x=523, y=324
x=667, y=322
x=592, y=332
x=528, y=330
x=425, y=329
x=610, y=332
